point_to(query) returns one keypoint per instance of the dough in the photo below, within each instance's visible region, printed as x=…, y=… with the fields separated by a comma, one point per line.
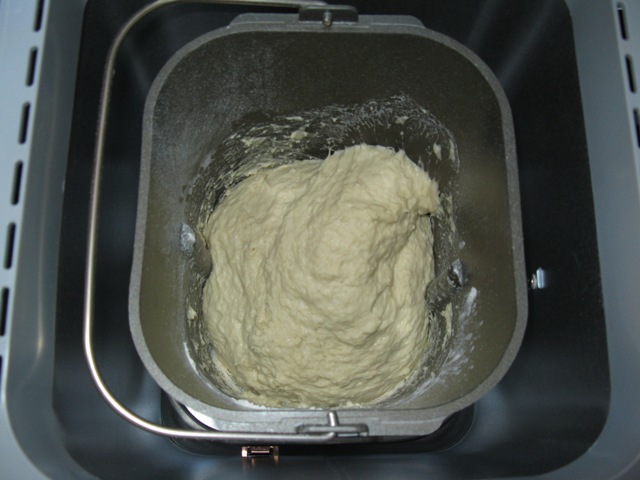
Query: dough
x=316, y=298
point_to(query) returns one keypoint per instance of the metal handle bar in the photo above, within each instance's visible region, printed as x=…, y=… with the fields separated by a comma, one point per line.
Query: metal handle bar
x=94, y=212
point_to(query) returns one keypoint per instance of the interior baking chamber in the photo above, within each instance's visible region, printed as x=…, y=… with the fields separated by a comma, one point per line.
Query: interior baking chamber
x=336, y=85
x=550, y=406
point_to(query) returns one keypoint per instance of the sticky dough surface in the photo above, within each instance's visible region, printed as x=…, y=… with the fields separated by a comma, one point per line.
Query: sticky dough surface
x=320, y=267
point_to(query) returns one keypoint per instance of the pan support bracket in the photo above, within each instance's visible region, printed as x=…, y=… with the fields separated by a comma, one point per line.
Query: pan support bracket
x=328, y=14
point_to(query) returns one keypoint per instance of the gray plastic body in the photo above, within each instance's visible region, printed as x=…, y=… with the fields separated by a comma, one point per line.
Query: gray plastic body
x=54, y=425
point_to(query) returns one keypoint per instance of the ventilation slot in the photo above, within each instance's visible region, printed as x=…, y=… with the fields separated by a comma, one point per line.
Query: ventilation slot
x=31, y=71
x=636, y=119
x=622, y=21
x=17, y=183
x=630, y=73
x=4, y=312
x=37, y=21
x=8, y=253
x=24, y=123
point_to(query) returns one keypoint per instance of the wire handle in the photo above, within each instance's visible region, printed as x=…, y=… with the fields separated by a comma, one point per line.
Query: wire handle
x=316, y=435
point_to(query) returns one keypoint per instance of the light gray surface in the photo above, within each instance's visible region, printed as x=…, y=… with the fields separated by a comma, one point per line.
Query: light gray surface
x=27, y=346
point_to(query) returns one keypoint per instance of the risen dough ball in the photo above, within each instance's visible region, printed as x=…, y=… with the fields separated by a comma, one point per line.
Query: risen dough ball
x=320, y=267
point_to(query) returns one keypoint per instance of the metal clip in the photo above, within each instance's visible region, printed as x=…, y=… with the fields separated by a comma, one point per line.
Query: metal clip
x=333, y=426
x=539, y=279
x=252, y=454
x=328, y=15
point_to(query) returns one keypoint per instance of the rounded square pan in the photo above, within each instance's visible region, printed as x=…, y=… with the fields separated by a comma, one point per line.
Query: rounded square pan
x=275, y=64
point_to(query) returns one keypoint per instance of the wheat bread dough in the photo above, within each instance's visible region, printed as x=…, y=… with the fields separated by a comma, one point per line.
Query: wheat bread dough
x=316, y=298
